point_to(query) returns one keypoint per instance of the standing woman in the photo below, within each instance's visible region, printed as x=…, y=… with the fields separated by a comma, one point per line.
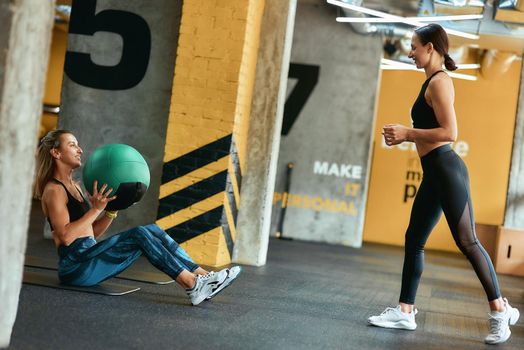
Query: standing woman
x=445, y=187
x=78, y=221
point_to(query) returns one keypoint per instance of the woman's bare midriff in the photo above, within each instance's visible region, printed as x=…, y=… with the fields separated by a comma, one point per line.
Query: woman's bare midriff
x=424, y=148
x=67, y=242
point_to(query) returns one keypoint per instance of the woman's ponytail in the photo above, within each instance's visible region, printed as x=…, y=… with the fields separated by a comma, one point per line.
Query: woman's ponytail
x=449, y=63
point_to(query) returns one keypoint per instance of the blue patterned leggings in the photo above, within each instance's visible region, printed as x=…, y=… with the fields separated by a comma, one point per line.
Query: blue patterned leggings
x=86, y=262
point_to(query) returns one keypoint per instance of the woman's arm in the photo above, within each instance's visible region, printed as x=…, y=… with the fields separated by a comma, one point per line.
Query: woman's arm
x=100, y=226
x=99, y=200
x=441, y=96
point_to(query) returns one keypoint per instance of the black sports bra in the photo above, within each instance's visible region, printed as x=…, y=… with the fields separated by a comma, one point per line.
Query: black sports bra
x=422, y=114
x=75, y=208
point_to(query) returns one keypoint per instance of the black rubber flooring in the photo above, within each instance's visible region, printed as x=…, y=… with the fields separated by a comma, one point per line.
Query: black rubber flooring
x=308, y=296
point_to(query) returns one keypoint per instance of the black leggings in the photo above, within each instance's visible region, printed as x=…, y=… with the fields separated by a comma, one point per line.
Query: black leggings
x=444, y=187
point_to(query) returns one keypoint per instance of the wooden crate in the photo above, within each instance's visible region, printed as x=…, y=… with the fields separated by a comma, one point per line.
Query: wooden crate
x=510, y=251
x=487, y=235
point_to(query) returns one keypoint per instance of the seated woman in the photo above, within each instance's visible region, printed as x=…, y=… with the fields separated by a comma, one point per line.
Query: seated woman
x=77, y=222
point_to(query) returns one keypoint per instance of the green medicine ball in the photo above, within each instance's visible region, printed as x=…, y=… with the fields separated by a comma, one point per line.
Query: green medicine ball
x=121, y=167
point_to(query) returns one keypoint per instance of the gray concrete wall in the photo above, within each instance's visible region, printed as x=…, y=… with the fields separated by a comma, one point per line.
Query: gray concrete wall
x=134, y=115
x=25, y=36
x=334, y=127
x=514, y=216
x=6, y=17
x=258, y=182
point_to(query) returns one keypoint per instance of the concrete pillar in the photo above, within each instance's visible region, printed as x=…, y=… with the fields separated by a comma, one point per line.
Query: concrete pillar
x=263, y=142
x=514, y=217
x=117, y=84
x=25, y=36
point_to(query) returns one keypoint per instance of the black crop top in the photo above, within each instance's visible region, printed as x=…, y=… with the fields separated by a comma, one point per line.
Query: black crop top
x=422, y=114
x=75, y=208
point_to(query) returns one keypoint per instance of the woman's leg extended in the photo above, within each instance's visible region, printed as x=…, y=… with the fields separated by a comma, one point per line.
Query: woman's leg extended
x=109, y=257
x=171, y=245
x=425, y=214
x=86, y=262
x=456, y=203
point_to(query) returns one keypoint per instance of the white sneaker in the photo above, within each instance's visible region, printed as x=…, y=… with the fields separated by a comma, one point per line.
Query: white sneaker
x=231, y=275
x=204, y=286
x=394, y=318
x=499, y=324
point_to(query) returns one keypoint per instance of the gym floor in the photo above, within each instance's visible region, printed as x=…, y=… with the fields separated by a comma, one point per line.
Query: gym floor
x=308, y=296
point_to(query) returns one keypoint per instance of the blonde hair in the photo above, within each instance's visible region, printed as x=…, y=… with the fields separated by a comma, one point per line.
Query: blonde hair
x=45, y=164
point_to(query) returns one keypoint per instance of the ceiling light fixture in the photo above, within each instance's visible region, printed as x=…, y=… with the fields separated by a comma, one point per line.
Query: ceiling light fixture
x=420, y=19
x=387, y=64
x=404, y=64
x=398, y=18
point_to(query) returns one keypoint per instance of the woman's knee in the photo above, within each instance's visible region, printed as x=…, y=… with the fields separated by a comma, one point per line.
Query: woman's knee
x=159, y=233
x=411, y=243
x=139, y=232
x=154, y=228
x=468, y=247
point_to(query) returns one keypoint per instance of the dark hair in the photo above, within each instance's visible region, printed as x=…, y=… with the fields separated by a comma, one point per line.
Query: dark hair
x=435, y=34
x=45, y=165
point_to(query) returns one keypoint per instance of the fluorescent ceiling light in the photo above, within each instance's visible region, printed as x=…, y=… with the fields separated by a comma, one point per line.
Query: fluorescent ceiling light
x=408, y=65
x=398, y=18
x=387, y=64
x=420, y=19
x=468, y=66
x=396, y=63
x=451, y=74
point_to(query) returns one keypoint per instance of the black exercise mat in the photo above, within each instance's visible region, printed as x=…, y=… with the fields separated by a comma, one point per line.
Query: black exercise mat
x=51, y=280
x=129, y=274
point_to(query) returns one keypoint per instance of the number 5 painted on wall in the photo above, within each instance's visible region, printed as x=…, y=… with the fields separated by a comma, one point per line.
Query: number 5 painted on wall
x=136, y=37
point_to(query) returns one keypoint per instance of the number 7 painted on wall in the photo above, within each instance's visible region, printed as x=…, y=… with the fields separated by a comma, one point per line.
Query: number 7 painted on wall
x=307, y=76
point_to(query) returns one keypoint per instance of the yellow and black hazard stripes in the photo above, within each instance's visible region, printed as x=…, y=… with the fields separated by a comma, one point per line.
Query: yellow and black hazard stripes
x=196, y=194
x=196, y=159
